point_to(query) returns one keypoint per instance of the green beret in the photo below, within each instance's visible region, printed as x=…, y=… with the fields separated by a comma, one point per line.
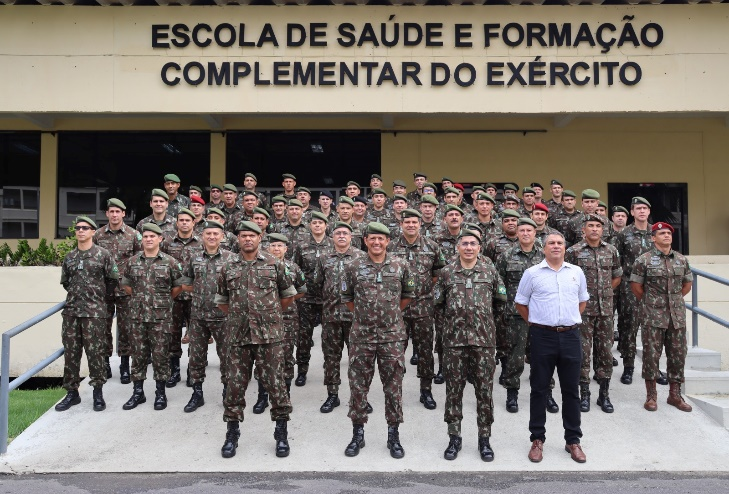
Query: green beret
x=509, y=213
x=590, y=194
x=340, y=224
x=377, y=190
x=512, y=199
x=428, y=184
x=287, y=175
x=619, y=209
x=212, y=224
x=277, y=237
x=187, y=212
x=469, y=233
x=261, y=211
x=568, y=193
x=249, y=193
x=446, y=179
x=152, y=227
x=453, y=207
x=88, y=220
x=375, y=227
x=489, y=185
x=316, y=215
x=430, y=200
x=160, y=193
x=195, y=187
x=640, y=200
x=375, y=175
x=230, y=187
x=485, y=197
x=602, y=204
x=473, y=226
x=346, y=200
x=595, y=217
x=477, y=187
x=418, y=174
x=295, y=202
x=215, y=186
x=527, y=221
x=352, y=182
x=399, y=197
x=399, y=183
x=411, y=213
x=217, y=211
x=513, y=187
x=247, y=226
x=528, y=190
x=303, y=189
x=276, y=199
x=171, y=177
x=451, y=190
x=250, y=175
x=115, y=203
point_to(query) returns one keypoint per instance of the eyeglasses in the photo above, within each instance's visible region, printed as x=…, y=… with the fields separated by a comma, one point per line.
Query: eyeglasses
x=82, y=228
x=469, y=244
x=341, y=234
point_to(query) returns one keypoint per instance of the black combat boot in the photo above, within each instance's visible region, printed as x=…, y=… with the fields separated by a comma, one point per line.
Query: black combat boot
x=627, y=377
x=137, y=396
x=196, y=400
x=615, y=362
x=512, y=400
x=188, y=381
x=484, y=448
x=99, y=403
x=160, y=398
x=393, y=442
x=552, y=406
x=72, y=398
x=454, y=446
x=584, y=397
x=603, y=399
x=300, y=379
x=415, y=358
x=124, y=376
x=357, y=442
x=262, y=402
x=108, y=367
x=330, y=403
x=281, y=435
x=369, y=408
x=231, y=440
x=426, y=398
x=174, y=372
x=662, y=379
x=439, y=378
x=503, y=368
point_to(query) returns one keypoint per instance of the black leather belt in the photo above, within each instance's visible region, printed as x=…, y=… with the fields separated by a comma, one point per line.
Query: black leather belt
x=558, y=329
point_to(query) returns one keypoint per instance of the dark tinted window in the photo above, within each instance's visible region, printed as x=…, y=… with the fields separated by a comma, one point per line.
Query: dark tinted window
x=19, y=184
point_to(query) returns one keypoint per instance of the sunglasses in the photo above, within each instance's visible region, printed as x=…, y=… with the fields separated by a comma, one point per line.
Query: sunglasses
x=82, y=228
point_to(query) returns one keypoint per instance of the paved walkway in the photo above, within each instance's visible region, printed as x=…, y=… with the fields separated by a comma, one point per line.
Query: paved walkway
x=144, y=440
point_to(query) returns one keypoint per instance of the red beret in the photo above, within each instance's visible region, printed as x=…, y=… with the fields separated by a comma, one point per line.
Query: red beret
x=198, y=200
x=661, y=226
x=458, y=186
x=542, y=207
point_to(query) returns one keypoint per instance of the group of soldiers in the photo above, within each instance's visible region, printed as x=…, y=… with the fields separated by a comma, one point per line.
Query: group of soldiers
x=257, y=276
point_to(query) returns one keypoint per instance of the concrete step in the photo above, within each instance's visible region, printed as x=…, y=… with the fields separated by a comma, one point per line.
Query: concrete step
x=699, y=359
x=706, y=382
x=715, y=406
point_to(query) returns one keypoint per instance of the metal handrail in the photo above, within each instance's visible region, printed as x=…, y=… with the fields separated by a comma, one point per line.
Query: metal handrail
x=5, y=385
x=694, y=305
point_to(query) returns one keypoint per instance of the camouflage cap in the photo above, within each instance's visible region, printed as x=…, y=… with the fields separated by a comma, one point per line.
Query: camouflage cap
x=376, y=175
x=399, y=197
x=277, y=237
x=340, y=224
x=377, y=228
x=250, y=175
x=527, y=221
x=171, y=177
x=485, y=197
x=527, y=190
x=509, y=213
x=346, y=200
x=152, y=227
x=276, y=199
x=160, y=193
x=352, y=182
x=295, y=202
x=261, y=211
x=511, y=186
x=430, y=200
x=316, y=215
x=195, y=187
x=590, y=194
x=453, y=207
x=410, y=213
x=187, y=212
x=247, y=226
x=86, y=219
x=303, y=189
x=619, y=209
x=418, y=174
x=595, y=217
x=217, y=211
x=230, y=187
x=377, y=190
x=399, y=183
x=115, y=203
x=640, y=200
x=568, y=193
x=215, y=186
x=469, y=233
x=451, y=190
x=212, y=224
x=287, y=175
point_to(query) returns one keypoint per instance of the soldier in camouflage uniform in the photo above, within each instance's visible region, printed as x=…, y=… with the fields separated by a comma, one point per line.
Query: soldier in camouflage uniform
x=176, y=201
x=425, y=259
x=600, y=262
x=511, y=265
x=253, y=290
x=278, y=207
x=159, y=202
x=540, y=215
x=428, y=207
x=360, y=209
x=528, y=197
x=555, y=203
x=123, y=242
x=180, y=246
x=377, y=211
x=561, y=218
x=215, y=199
x=345, y=208
x=336, y=317
x=295, y=229
x=303, y=194
x=249, y=184
x=247, y=201
x=620, y=221
x=306, y=254
x=288, y=182
x=376, y=289
x=660, y=279
x=153, y=279
x=468, y=288
x=631, y=243
x=484, y=216
x=325, y=206
x=88, y=274
x=197, y=206
x=574, y=231
x=230, y=205
x=229, y=241
x=206, y=319
x=415, y=195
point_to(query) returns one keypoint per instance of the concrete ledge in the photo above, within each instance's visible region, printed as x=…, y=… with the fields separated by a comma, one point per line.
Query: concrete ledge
x=706, y=383
x=715, y=406
x=700, y=359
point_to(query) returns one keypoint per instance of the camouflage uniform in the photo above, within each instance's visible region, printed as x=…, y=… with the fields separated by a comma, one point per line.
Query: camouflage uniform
x=430, y=230
x=378, y=332
x=306, y=255
x=511, y=266
x=469, y=338
x=413, y=198
x=447, y=244
x=277, y=223
x=492, y=249
x=631, y=244
x=573, y=231
x=234, y=219
x=152, y=280
x=87, y=276
x=254, y=330
x=541, y=236
x=600, y=264
x=230, y=243
x=554, y=207
x=561, y=218
x=168, y=223
x=220, y=205
x=122, y=244
x=663, y=311
x=336, y=317
x=291, y=321
x=206, y=319
x=296, y=235
x=174, y=205
x=425, y=259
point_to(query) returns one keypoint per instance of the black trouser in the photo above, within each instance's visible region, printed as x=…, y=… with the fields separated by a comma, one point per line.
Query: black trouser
x=550, y=349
